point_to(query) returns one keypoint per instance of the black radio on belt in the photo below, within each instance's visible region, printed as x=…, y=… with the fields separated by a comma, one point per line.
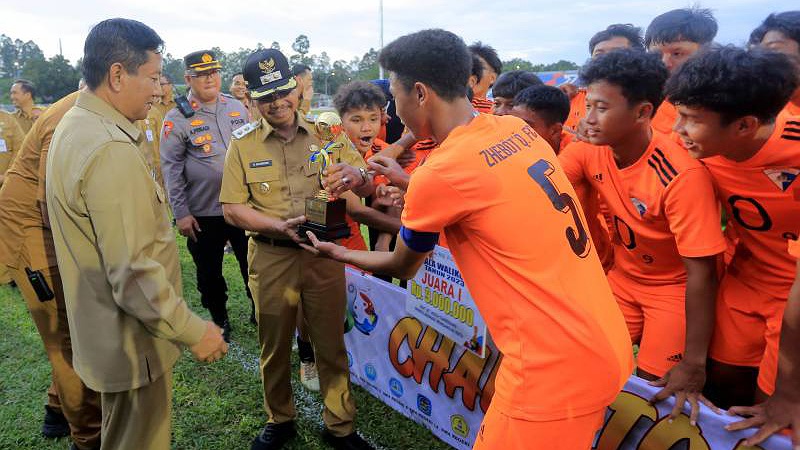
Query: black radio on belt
x=39, y=285
x=184, y=106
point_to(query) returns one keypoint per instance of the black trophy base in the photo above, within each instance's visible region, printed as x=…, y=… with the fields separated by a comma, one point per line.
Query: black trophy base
x=325, y=232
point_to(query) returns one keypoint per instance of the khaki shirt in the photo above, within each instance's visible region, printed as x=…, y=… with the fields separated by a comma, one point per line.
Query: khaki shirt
x=193, y=154
x=274, y=176
x=27, y=241
x=164, y=108
x=151, y=129
x=116, y=251
x=11, y=136
x=24, y=120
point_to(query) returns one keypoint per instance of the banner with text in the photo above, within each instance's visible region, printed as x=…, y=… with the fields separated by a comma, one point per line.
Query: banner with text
x=438, y=297
x=430, y=379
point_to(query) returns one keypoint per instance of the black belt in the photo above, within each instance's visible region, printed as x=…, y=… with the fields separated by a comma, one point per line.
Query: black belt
x=276, y=242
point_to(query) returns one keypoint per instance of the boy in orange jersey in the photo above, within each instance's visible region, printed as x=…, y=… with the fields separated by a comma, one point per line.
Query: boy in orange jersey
x=360, y=105
x=728, y=121
x=665, y=221
x=507, y=86
x=676, y=36
x=545, y=109
x=519, y=237
x=492, y=68
x=781, y=33
x=613, y=37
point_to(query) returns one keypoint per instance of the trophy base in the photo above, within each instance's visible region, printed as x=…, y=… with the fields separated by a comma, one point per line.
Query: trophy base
x=325, y=232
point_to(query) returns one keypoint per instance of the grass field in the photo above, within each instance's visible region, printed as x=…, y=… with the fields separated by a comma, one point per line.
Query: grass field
x=216, y=406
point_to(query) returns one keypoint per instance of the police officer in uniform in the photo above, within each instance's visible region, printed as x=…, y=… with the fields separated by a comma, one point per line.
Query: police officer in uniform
x=192, y=157
x=267, y=180
x=115, y=248
x=27, y=245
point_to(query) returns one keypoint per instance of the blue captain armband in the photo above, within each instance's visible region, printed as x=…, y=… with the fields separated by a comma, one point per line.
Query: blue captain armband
x=419, y=241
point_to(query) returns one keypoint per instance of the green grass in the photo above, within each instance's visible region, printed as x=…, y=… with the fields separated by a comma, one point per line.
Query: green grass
x=215, y=406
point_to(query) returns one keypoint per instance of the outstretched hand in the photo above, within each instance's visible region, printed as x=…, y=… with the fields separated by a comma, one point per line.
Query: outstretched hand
x=685, y=381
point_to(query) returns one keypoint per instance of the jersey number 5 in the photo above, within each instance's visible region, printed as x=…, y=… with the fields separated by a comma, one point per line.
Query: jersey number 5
x=577, y=237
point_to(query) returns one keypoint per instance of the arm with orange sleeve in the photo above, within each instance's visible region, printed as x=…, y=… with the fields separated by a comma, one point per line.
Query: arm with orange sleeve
x=782, y=409
x=430, y=205
x=693, y=215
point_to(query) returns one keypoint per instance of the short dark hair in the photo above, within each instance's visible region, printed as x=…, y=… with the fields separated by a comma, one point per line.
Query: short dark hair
x=297, y=69
x=358, y=94
x=435, y=57
x=787, y=23
x=112, y=41
x=477, y=68
x=687, y=24
x=549, y=102
x=639, y=75
x=510, y=83
x=26, y=86
x=489, y=55
x=167, y=77
x=628, y=31
x=237, y=74
x=735, y=83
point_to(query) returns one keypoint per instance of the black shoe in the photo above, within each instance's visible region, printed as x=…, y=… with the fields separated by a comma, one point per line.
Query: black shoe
x=350, y=442
x=226, y=331
x=55, y=425
x=274, y=436
x=253, y=318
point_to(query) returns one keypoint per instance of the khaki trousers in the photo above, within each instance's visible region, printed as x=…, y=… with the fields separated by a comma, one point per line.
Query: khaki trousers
x=280, y=279
x=67, y=393
x=139, y=419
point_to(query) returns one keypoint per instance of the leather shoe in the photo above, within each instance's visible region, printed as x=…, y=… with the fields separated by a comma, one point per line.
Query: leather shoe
x=274, y=436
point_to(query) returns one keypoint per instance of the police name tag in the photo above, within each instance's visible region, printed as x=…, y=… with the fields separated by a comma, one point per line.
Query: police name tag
x=257, y=164
x=149, y=134
x=3, y=148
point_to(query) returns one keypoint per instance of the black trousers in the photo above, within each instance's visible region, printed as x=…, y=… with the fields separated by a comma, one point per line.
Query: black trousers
x=207, y=254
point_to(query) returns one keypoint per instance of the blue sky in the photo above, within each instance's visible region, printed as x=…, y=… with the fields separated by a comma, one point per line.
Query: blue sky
x=540, y=31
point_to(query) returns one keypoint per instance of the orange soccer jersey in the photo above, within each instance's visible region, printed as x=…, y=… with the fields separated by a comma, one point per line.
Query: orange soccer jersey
x=519, y=237
x=662, y=208
x=665, y=118
x=792, y=109
x=762, y=199
x=482, y=105
x=577, y=109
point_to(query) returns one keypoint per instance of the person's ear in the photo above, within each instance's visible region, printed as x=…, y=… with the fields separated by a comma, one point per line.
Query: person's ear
x=115, y=75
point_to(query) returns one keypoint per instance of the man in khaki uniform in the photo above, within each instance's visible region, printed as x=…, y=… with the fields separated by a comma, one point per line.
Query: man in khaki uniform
x=22, y=95
x=114, y=244
x=28, y=244
x=151, y=128
x=266, y=181
x=167, y=98
x=11, y=136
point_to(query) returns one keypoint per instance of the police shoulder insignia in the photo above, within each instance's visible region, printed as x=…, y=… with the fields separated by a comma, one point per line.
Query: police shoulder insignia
x=245, y=129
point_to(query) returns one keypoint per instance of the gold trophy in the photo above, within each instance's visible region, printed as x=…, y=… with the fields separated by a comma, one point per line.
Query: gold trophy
x=325, y=217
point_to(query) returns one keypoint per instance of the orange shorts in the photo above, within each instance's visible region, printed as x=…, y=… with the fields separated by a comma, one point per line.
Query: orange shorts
x=747, y=330
x=501, y=431
x=656, y=321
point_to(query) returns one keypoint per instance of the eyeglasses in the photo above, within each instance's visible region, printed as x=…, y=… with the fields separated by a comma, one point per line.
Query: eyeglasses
x=272, y=96
x=207, y=74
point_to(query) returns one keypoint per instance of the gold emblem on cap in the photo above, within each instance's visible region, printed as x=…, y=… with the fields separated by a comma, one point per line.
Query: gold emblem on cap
x=206, y=58
x=264, y=187
x=267, y=66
